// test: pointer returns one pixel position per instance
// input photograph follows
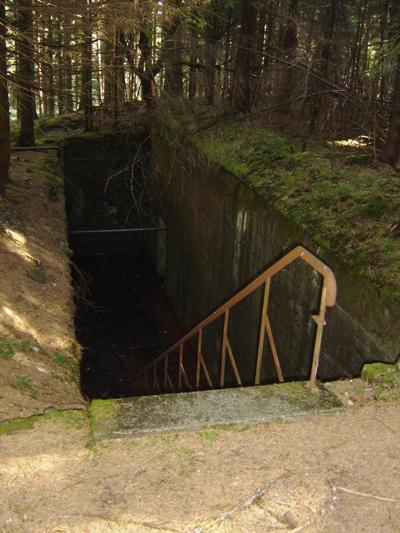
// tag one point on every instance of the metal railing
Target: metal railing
(169, 373)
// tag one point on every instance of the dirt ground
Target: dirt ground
(38, 352)
(328, 473)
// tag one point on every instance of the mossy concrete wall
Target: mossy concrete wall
(221, 234)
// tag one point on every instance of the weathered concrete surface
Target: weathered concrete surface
(176, 412)
(105, 181)
(221, 234)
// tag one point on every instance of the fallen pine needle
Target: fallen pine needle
(365, 495)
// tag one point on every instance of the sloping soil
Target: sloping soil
(39, 355)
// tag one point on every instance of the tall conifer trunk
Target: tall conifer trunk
(25, 73)
(242, 93)
(86, 68)
(391, 151)
(4, 105)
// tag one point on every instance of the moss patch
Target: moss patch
(72, 418)
(345, 202)
(383, 379)
(382, 373)
(38, 274)
(101, 414)
(7, 349)
(54, 178)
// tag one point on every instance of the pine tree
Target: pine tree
(4, 105)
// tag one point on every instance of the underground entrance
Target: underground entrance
(209, 257)
(123, 319)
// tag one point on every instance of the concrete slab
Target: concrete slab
(193, 410)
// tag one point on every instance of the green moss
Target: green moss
(54, 178)
(102, 408)
(101, 414)
(17, 424)
(71, 122)
(76, 419)
(38, 274)
(230, 427)
(209, 436)
(381, 373)
(60, 358)
(24, 383)
(7, 349)
(346, 206)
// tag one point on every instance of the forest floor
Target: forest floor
(328, 473)
(39, 356)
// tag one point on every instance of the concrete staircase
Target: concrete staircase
(196, 410)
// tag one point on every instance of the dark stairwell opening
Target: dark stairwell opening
(123, 319)
(122, 323)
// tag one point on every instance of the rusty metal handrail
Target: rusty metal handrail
(328, 299)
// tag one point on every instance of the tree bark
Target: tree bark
(109, 81)
(59, 30)
(86, 70)
(242, 93)
(391, 151)
(215, 28)
(289, 53)
(147, 70)
(173, 84)
(325, 63)
(25, 73)
(69, 102)
(4, 106)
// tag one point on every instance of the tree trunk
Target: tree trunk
(325, 63)
(69, 103)
(242, 93)
(173, 84)
(25, 73)
(49, 69)
(289, 54)
(215, 28)
(86, 72)
(4, 105)
(192, 89)
(391, 151)
(109, 81)
(59, 30)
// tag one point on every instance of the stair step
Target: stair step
(194, 410)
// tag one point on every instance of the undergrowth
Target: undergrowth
(347, 203)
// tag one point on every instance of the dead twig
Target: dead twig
(247, 502)
(365, 495)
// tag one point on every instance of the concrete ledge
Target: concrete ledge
(193, 410)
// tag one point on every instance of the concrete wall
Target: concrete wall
(220, 234)
(105, 175)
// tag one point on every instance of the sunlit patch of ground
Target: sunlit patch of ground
(38, 352)
(338, 472)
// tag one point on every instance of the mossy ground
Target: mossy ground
(347, 203)
(72, 418)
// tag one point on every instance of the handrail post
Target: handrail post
(224, 348)
(166, 372)
(320, 321)
(261, 339)
(199, 344)
(180, 364)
